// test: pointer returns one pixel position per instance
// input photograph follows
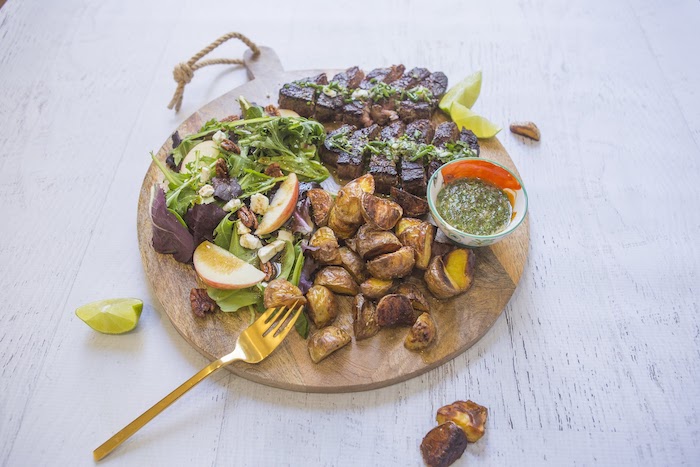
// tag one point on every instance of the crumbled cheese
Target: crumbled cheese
(250, 241)
(267, 252)
(206, 191)
(259, 203)
(285, 235)
(232, 205)
(360, 94)
(241, 228)
(218, 137)
(205, 175)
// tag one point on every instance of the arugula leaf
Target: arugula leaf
(287, 261)
(183, 148)
(223, 233)
(233, 300)
(249, 256)
(302, 325)
(298, 264)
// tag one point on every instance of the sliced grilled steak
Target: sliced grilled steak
(420, 131)
(413, 175)
(329, 151)
(384, 75)
(411, 78)
(446, 132)
(328, 107)
(383, 112)
(299, 98)
(350, 164)
(382, 167)
(470, 138)
(356, 113)
(436, 84)
(410, 111)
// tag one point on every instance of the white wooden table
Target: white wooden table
(596, 359)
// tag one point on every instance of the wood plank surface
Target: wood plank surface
(596, 359)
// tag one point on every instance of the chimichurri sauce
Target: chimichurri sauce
(474, 206)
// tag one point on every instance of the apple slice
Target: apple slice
(205, 149)
(281, 206)
(223, 270)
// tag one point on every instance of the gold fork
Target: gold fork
(252, 346)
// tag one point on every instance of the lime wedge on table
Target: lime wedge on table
(113, 316)
(466, 118)
(466, 92)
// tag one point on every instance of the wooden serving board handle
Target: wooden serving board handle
(265, 65)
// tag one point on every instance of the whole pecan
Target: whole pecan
(230, 118)
(201, 302)
(269, 269)
(230, 146)
(221, 169)
(247, 217)
(273, 170)
(272, 110)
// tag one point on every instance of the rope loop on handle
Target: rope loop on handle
(184, 72)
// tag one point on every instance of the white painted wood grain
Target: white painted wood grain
(596, 360)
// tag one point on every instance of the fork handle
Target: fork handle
(109, 445)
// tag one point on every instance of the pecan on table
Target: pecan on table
(230, 146)
(247, 217)
(201, 302)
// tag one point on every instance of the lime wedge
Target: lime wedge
(466, 118)
(113, 316)
(466, 92)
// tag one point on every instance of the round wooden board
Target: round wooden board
(369, 364)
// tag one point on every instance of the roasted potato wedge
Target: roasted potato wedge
(337, 279)
(364, 318)
(325, 341)
(348, 208)
(406, 222)
(327, 246)
(321, 204)
(353, 263)
(469, 416)
(395, 310)
(363, 184)
(322, 307)
(418, 300)
(376, 288)
(421, 334)
(420, 237)
(381, 213)
(443, 445)
(341, 228)
(281, 292)
(393, 265)
(451, 274)
(412, 205)
(370, 242)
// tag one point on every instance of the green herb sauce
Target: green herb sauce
(474, 206)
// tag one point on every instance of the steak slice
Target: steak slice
(436, 83)
(411, 78)
(413, 175)
(329, 107)
(470, 138)
(410, 111)
(381, 165)
(300, 98)
(356, 113)
(420, 131)
(350, 164)
(384, 75)
(446, 132)
(330, 150)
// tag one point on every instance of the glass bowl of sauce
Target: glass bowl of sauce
(476, 202)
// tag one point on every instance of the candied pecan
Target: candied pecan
(201, 302)
(273, 170)
(272, 110)
(269, 269)
(230, 118)
(221, 169)
(230, 146)
(247, 217)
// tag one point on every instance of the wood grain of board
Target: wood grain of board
(368, 364)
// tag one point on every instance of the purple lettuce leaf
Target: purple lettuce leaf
(307, 272)
(301, 218)
(202, 219)
(226, 188)
(169, 235)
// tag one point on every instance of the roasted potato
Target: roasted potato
(341, 228)
(406, 222)
(393, 265)
(381, 213)
(376, 288)
(327, 246)
(325, 341)
(410, 291)
(322, 306)
(321, 204)
(337, 279)
(281, 292)
(469, 416)
(441, 249)
(443, 445)
(363, 184)
(412, 205)
(370, 242)
(348, 208)
(364, 318)
(451, 274)
(421, 334)
(418, 236)
(394, 310)
(353, 263)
